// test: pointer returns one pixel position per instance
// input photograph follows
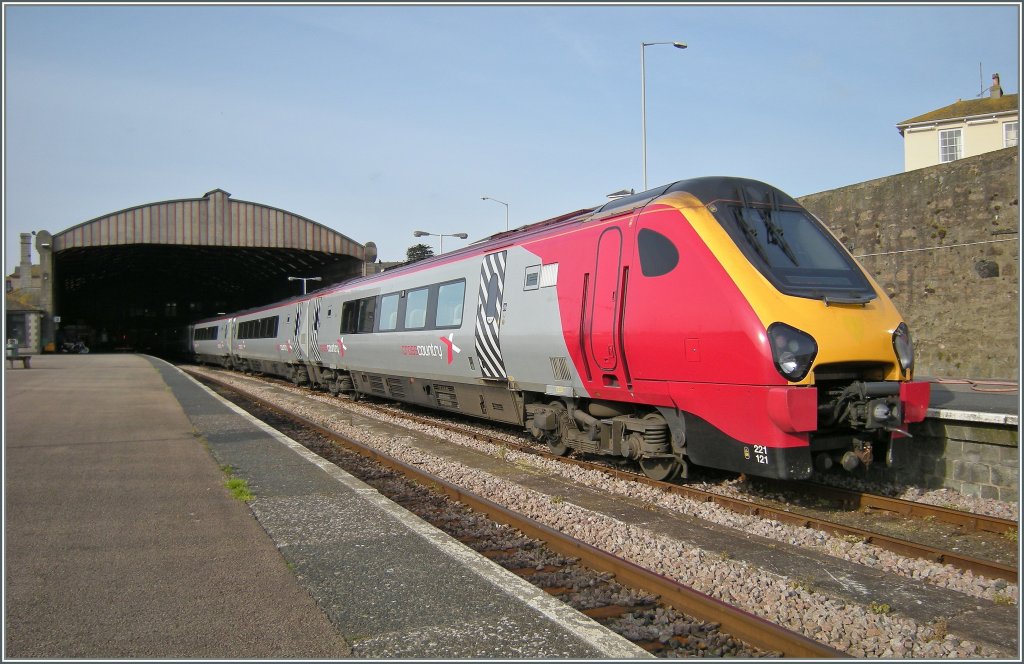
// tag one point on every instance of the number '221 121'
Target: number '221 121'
(761, 454)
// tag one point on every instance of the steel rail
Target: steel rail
(967, 521)
(987, 568)
(752, 629)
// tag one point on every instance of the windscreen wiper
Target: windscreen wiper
(749, 230)
(775, 232)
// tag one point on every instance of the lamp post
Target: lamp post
(643, 96)
(304, 280)
(441, 236)
(488, 198)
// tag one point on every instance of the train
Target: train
(711, 322)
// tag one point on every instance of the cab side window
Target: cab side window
(658, 255)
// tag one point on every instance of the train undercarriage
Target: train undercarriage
(857, 421)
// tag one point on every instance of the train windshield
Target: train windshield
(794, 251)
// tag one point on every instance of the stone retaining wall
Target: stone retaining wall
(943, 244)
(972, 458)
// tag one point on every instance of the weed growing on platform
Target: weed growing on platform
(239, 488)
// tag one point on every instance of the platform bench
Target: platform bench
(26, 361)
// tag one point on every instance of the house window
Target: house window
(17, 328)
(951, 145)
(1010, 130)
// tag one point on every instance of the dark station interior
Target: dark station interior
(142, 297)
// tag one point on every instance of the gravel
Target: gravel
(862, 631)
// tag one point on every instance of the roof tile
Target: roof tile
(964, 109)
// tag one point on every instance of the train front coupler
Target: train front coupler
(871, 406)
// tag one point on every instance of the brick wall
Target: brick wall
(942, 242)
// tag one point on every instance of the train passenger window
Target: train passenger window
(389, 312)
(416, 309)
(450, 298)
(658, 255)
(367, 314)
(205, 334)
(349, 317)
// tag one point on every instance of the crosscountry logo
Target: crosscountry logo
(434, 350)
(338, 348)
(451, 346)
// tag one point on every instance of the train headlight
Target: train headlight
(904, 347)
(793, 351)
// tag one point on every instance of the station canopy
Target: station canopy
(134, 279)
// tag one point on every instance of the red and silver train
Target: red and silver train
(712, 321)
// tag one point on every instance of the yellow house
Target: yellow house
(963, 129)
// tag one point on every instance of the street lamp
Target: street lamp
(442, 236)
(304, 280)
(488, 198)
(643, 96)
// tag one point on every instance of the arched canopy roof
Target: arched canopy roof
(215, 220)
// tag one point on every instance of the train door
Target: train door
(314, 317)
(488, 316)
(602, 324)
(300, 335)
(229, 342)
(312, 348)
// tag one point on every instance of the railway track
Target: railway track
(850, 499)
(749, 628)
(859, 500)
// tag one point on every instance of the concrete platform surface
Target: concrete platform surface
(122, 542)
(987, 401)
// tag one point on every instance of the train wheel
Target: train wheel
(660, 469)
(556, 440)
(558, 448)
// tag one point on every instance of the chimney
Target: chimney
(996, 90)
(26, 250)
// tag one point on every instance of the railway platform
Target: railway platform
(123, 542)
(981, 401)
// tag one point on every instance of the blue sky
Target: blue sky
(379, 120)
